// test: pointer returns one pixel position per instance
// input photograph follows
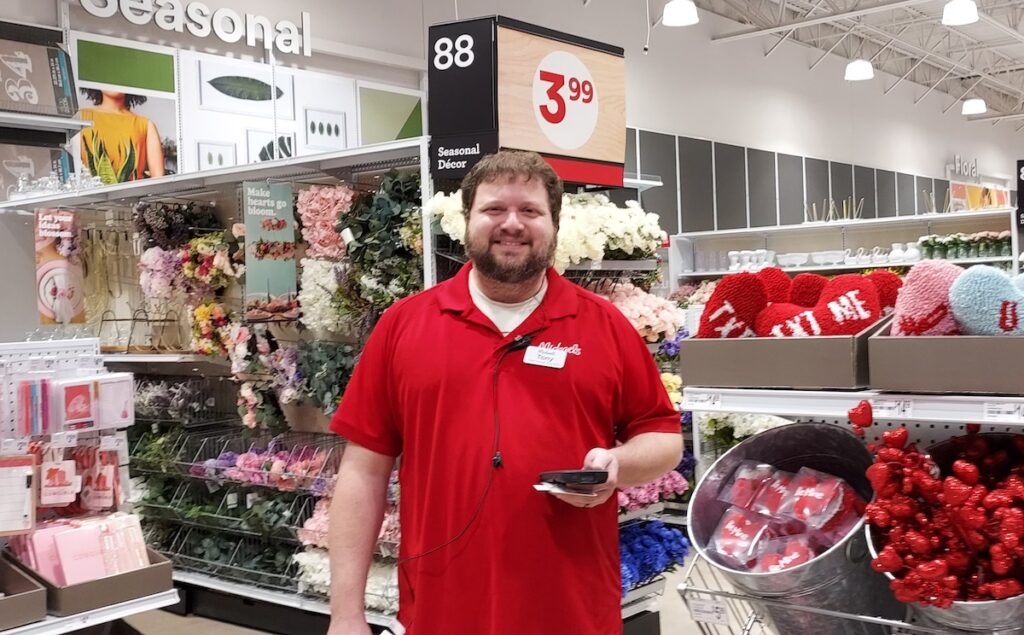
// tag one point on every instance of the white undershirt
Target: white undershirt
(507, 317)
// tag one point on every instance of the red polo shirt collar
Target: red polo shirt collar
(560, 300)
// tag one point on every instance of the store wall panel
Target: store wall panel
(864, 189)
(658, 158)
(923, 191)
(791, 189)
(731, 186)
(816, 172)
(906, 202)
(696, 185)
(630, 166)
(841, 175)
(886, 184)
(763, 193)
(941, 188)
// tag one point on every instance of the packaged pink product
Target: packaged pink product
(745, 483)
(736, 540)
(774, 495)
(820, 500)
(785, 552)
(841, 525)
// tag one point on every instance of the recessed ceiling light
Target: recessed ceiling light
(859, 71)
(959, 13)
(680, 13)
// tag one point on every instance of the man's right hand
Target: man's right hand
(350, 626)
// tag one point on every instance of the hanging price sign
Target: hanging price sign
(496, 82)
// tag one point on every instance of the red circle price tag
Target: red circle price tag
(565, 100)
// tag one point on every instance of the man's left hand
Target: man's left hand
(597, 459)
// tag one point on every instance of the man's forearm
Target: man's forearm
(648, 456)
(355, 518)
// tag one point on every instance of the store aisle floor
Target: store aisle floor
(675, 618)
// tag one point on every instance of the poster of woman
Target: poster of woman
(121, 145)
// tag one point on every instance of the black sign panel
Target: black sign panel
(452, 157)
(1020, 191)
(461, 72)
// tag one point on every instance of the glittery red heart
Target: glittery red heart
(733, 307)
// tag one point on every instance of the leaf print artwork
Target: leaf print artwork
(245, 88)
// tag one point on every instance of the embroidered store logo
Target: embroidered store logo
(200, 20)
(569, 350)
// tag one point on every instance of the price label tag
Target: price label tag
(251, 499)
(565, 100)
(892, 408)
(232, 500)
(709, 611)
(13, 447)
(108, 444)
(702, 401)
(1007, 412)
(59, 440)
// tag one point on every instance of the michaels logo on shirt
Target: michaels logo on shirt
(569, 350)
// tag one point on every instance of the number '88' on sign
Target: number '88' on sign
(565, 100)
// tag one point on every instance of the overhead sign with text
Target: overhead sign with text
(495, 82)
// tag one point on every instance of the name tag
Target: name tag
(551, 358)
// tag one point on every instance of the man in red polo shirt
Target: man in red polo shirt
(480, 384)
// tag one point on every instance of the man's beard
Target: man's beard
(487, 264)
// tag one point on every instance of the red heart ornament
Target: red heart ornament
(862, 415)
(776, 284)
(896, 438)
(955, 491)
(966, 471)
(806, 289)
(888, 286)
(733, 307)
(848, 304)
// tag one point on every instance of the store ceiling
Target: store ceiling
(905, 39)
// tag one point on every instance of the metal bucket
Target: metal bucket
(840, 579)
(996, 617)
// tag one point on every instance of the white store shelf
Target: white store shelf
(271, 597)
(1004, 213)
(813, 268)
(941, 408)
(650, 510)
(162, 358)
(57, 625)
(41, 122)
(294, 168)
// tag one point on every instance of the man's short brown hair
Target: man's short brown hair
(513, 164)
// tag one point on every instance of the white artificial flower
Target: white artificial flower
(317, 292)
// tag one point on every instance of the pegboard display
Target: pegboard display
(17, 357)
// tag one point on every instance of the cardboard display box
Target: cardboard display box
(957, 363)
(24, 600)
(88, 596)
(805, 363)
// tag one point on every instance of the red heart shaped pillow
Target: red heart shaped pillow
(806, 289)
(888, 286)
(848, 304)
(776, 283)
(733, 307)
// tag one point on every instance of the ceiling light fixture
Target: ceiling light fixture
(680, 13)
(974, 106)
(960, 13)
(859, 71)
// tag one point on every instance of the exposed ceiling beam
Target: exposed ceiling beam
(1012, 115)
(1000, 26)
(832, 17)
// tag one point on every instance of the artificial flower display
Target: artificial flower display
(319, 208)
(160, 274)
(206, 261)
(259, 407)
(653, 317)
(211, 328)
(647, 550)
(319, 296)
(674, 387)
(591, 227)
(669, 486)
(169, 226)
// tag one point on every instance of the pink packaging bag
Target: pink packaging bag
(786, 552)
(81, 554)
(774, 495)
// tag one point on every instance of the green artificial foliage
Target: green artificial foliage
(326, 368)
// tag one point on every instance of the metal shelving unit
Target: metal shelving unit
(643, 598)
(646, 512)
(72, 623)
(47, 123)
(964, 262)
